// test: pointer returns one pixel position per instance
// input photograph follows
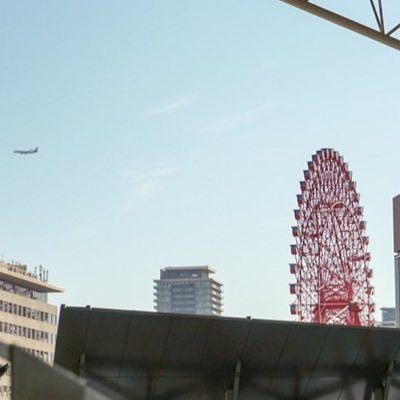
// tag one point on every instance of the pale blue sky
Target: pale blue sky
(176, 133)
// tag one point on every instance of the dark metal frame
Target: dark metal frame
(381, 34)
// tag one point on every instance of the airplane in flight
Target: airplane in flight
(31, 151)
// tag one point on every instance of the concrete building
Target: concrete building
(188, 290)
(388, 317)
(26, 319)
(396, 250)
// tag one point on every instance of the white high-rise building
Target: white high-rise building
(388, 319)
(188, 290)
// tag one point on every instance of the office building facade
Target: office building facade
(388, 319)
(26, 318)
(188, 290)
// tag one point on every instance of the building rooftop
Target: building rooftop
(205, 268)
(17, 274)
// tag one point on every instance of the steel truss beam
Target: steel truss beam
(380, 35)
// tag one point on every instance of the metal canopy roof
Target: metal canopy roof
(142, 355)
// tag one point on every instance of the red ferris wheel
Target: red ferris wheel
(332, 263)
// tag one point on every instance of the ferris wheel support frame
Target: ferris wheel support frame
(380, 35)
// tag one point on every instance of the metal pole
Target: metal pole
(235, 395)
(345, 22)
(388, 380)
(378, 393)
(397, 287)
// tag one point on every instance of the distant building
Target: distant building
(188, 290)
(26, 319)
(388, 317)
(396, 250)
